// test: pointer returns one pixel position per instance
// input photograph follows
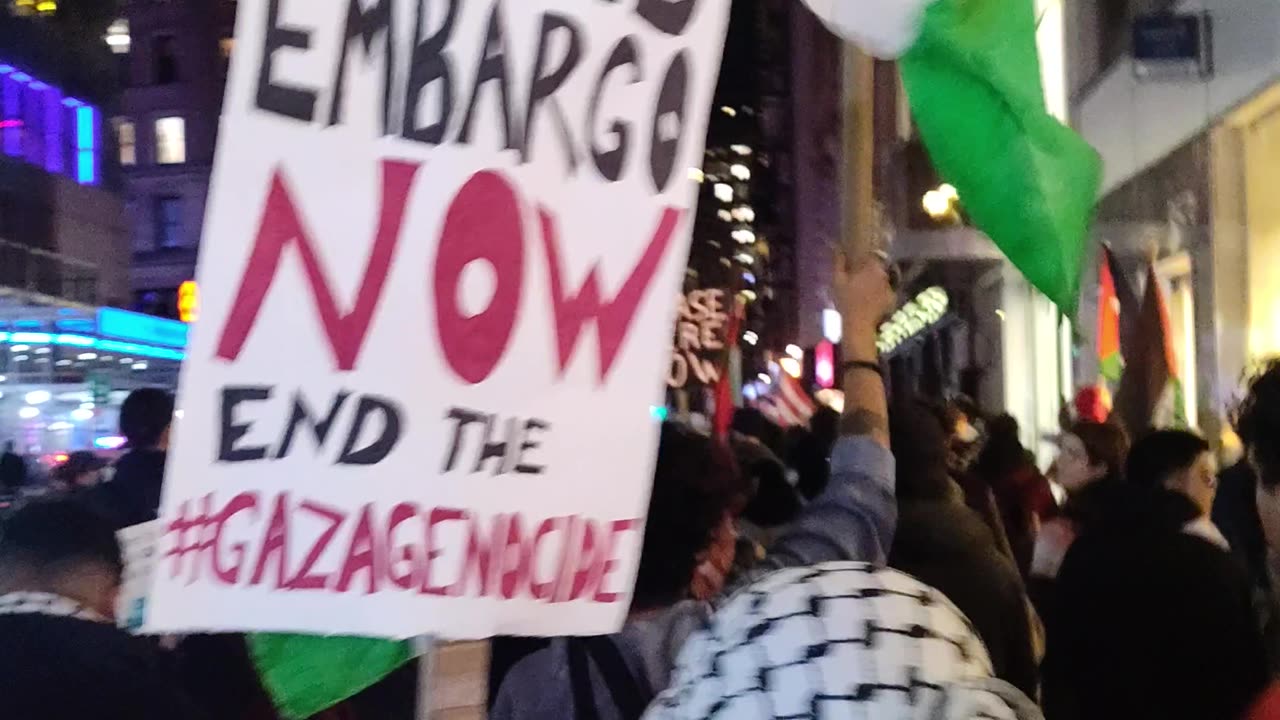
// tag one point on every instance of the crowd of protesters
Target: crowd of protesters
(902, 560)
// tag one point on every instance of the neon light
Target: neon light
(31, 338)
(72, 103)
(125, 325)
(37, 85)
(143, 350)
(6, 69)
(110, 442)
(21, 77)
(74, 341)
(86, 141)
(80, 341)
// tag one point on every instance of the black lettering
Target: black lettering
(545, 84)
(531, 443)
(290, 101)
(231, 432)
(668, 16)
(610, 162)
(492, 67)
(302, 414)
(495, 448)
(366, 25)
(380, 448)
(463, 418)
(429, 63)
(668, 121)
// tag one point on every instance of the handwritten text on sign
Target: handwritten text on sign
(396, 420)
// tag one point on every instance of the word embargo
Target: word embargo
(448, 552)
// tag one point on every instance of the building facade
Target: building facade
(1189, 161)
(173, 59)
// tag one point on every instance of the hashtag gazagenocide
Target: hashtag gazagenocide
(252, 540)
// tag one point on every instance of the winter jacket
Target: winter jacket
(854, 519)
(1151, 621)
(133, 494)
(66, 666)
(946, 545)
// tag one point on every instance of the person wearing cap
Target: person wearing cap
(133, 495)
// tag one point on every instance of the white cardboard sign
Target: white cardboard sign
(438, 278)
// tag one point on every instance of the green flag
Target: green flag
(973, 80)
(306, 674)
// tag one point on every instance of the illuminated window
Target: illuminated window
(127, 141)
(171, 140)
(168, 220)
(118, 37)
(46, 7)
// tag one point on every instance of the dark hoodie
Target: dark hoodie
(133, 494)
(1151, 621)
(944, 543)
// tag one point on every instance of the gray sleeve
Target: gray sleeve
(854, 519)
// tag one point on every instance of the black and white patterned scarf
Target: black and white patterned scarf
(35, 603)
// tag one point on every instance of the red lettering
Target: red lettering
(479, 554)
(305, 579)
(438, 516)
(407, 553)
(275, 544)
(516, 570)
(238, 504)
(543, 590)
(483, 223)
(564, 579)
(610, 564)
(281, 226)
(588, 562)
(613, 318)
(362, 555)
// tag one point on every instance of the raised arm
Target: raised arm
(854, 519)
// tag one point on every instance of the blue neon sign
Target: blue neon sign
(138, 328)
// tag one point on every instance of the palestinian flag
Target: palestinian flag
(1110, 363)
(1150, 394)
(972, 75)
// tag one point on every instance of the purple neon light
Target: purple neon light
(40, 125)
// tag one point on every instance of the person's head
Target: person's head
(82, 469)
(1091, 452)
(145, 417)
(838, 640)
(1175, 460)
(920, 448)
(63, 548)
(696, 488)
(1003, 451)
(1258, 424)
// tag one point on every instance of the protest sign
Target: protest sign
(437, 286)
(138, 551)
(699, 340)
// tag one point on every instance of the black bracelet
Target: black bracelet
(862, 365)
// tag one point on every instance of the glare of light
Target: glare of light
(744, 213)
(81, 415)
(749, 391)
(791, 366)
(87, 356)
(750, 337)
(833, 399)
(744, 236)
(21, 358)
(658, 412)
(832, 325)
(749, 295)
(1000, 314)
(724, 192)
(749, 277)
(47, 7)
(39, 397)
(42, 351)
(740, 149)
(795, 352)
(696, 175)
(29, 413)
(110, 442)
(745, 258)
(824, 364)
(765, 379)
(60, 426)
(740, 171)
(87, 406)
(19, 348)
(728, 111)
(140, 366)
(936, 204)
(725, 215)
(3, 378)
(949, 192)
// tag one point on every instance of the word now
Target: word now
(430, 551)
(482, 222)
